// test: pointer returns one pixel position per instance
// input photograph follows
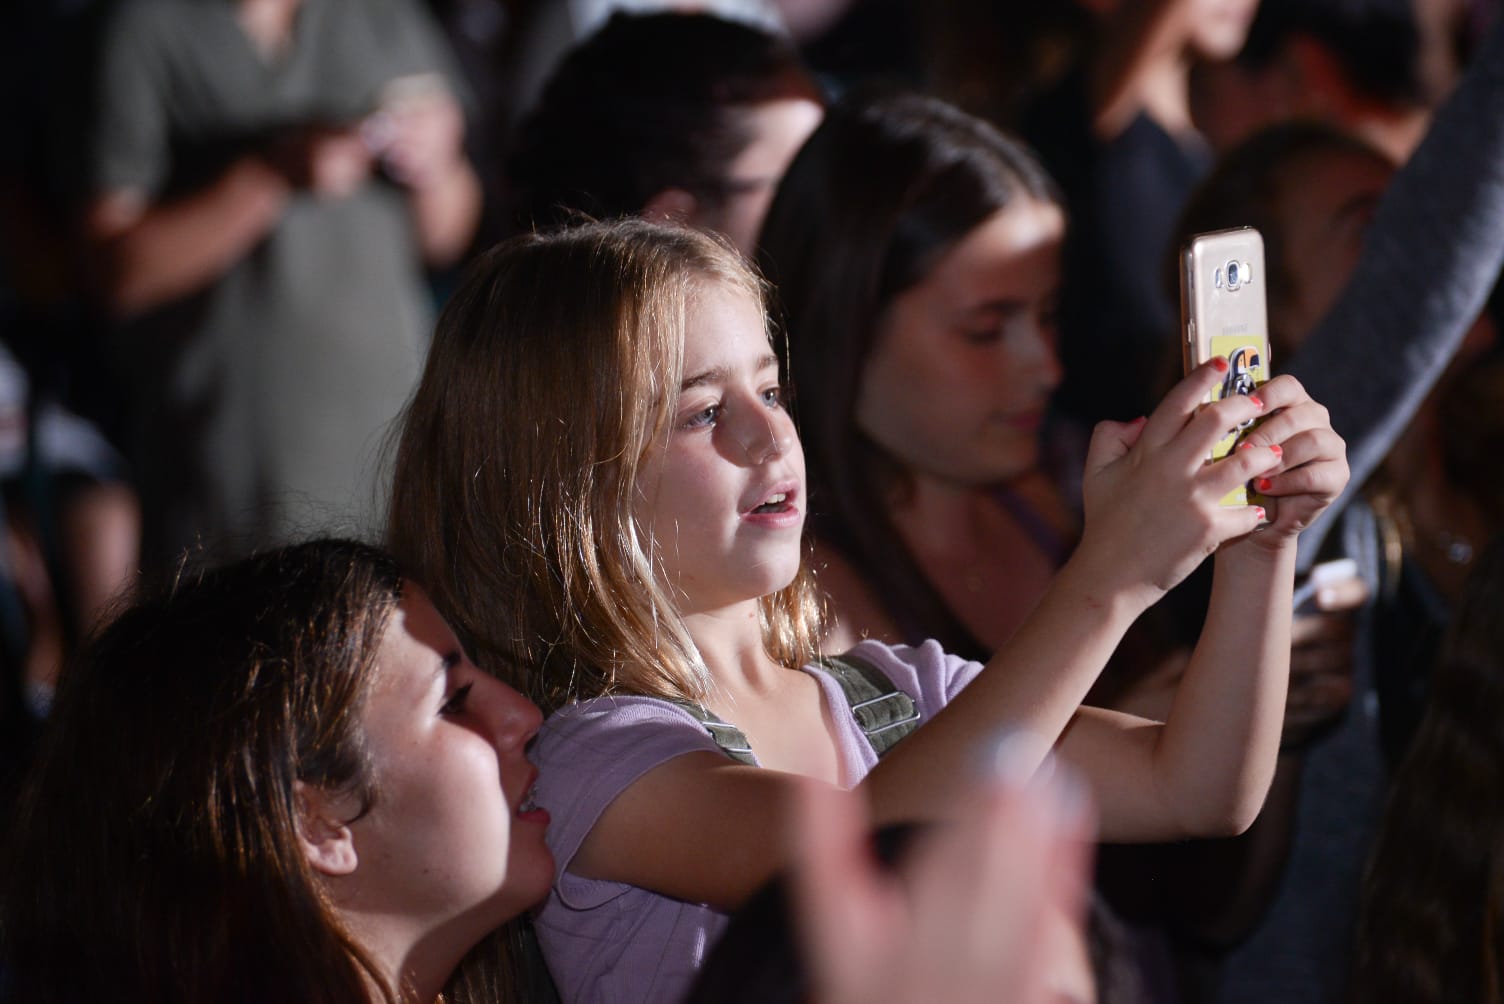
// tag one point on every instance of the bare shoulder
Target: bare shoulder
(853, 611)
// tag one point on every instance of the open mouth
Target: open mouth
(529, 800)
(777, 502)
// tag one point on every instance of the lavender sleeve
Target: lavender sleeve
(589, 753)
(1430, 259)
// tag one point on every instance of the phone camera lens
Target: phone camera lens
(1233, 274)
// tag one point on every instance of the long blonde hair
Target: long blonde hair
(553, 372)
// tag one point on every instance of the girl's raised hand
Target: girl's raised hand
(1152, 502)
(1311, 470)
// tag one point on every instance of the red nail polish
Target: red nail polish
(1258, 402)
(1263, 484)
(1140, 420)
(1219, 364)
(1278, 450)
(1245, 445)
(1260, 510)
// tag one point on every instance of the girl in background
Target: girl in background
(915, 253)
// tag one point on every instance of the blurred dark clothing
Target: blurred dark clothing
(1118, 324)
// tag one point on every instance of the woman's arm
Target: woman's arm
(148, 253)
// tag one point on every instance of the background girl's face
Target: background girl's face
(723, 498)
(963, 363)
(777, 129)
(449, 833)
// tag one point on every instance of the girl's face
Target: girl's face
(723, 499)
(963, 364)
(778, 129)
(450, 835)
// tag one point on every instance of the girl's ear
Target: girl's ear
(672, 205)
(327, 841)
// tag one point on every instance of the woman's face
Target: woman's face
(723, 498)
(963, 363)
(451, 838)
(778, 129)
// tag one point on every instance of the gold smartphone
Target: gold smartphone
(1223, 313)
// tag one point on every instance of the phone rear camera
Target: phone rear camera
(1234, 275)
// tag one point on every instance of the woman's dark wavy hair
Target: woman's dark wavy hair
(1431, 928)
(885, 186)
(156, 855)
(648, 102)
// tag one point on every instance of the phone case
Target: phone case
(1224, 314)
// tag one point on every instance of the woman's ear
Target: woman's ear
(326, 838)
(672, 205)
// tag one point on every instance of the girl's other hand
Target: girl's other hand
(986, 909)
(1311, 470)
(1152, 502)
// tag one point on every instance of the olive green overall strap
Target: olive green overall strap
(885, 714)
(727, 736)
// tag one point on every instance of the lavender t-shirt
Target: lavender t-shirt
(606, 941)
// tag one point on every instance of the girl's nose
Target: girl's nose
(515, 718)
(765, 436)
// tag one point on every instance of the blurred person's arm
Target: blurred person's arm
(424, 151)
(1430, 258)
(149, 252)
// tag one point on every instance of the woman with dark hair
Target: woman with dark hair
(915, 252)
(280, 780)
(671, 116)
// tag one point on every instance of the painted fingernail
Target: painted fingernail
(1259, 511)
(1219, 364)
(1278, 450)
(1258, 402)
(1263, 484)
(1245, 445)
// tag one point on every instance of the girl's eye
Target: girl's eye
(773, 397)
(704, 417)
(456, 703)
(983, 336)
